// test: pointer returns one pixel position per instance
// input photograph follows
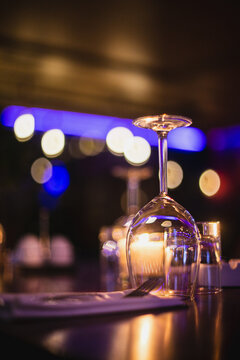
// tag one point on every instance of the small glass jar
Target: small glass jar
(209, 276)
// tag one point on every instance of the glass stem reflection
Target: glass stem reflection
(44, 233)
(163, 155)
(132, 195)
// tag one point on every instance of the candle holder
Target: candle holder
(163, 239)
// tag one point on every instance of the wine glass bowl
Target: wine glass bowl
(163, 242)
(163, 239)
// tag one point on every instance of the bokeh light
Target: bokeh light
(53, 142)
(117, 139)
(109, 248)
(59, 181)
(137, 151)
(78, 124)
(217, 139)
(187, 138)
(174, 174)
(90, 147)
(73, 148)
(220, 139)
(24, 127)
(41, 170)
(209, 182)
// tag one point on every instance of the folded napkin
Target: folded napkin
(56, 305)
(230, 273)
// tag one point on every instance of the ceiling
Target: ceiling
(122, 58)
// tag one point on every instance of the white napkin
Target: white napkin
(55, 305)
(230, 273)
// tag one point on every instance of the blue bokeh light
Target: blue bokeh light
(59, 181)
(80, 124)
(46, 200)
(189, 138)
(220, 139)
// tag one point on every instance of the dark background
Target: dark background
(126, 59)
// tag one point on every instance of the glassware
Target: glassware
(163, 239)
(114, 271)
(209, 276)
(44, 236)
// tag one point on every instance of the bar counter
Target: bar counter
(207, 328)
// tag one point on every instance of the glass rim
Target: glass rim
(211, 228)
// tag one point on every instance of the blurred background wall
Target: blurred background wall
(123, 59)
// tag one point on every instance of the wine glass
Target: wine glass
(133, 177)
(113, 239)
(163, 240)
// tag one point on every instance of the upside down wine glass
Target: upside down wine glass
(113, 238)
(133, 176)
(163, 240)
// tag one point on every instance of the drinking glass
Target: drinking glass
(209, 276)
(163, 240)
(114, 271)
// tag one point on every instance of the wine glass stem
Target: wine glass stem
(44, 232)
(132, 196)
(162, 155)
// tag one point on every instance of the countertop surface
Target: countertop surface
(207, 328)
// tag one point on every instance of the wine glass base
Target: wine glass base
(208, 290)
(163, 122)
(174, 293)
